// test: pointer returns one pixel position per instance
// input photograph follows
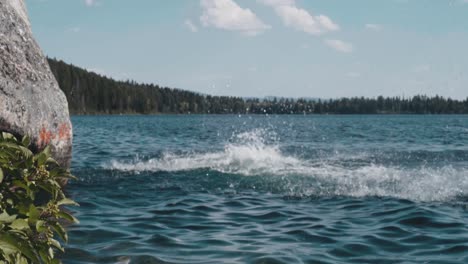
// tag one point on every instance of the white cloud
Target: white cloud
(228, 15)
(339, 45)
(191, 26)
(421, 68)
(374, 27)
(252, 69)
(90, 2)
(327, 23)
(299, 18)
(275, 3)
(353, 75)
(455, 3)
(74, 29)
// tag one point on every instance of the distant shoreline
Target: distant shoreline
(89, 93)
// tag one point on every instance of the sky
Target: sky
(257, 48)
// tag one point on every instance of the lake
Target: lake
(270, 189)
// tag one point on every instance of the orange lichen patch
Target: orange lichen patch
(45, 137)
(64, 132)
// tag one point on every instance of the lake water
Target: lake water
(270, 189)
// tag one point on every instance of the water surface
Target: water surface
(270, 189)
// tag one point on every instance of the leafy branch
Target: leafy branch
(32, 216)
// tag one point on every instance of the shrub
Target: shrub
(31, 203)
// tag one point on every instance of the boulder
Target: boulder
(31, 102)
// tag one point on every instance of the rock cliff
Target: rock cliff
(31, 102)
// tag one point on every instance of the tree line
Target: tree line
(91, 93)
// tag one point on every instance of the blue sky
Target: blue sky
(292, 48)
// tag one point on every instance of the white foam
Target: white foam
(249, 155)
(421, 184)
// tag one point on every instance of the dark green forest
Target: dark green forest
(91, 93)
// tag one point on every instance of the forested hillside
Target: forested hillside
(91, 93)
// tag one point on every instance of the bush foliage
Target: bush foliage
(31, 203)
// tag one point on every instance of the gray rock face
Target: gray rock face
(31, 102)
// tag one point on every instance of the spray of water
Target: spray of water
(249, 154)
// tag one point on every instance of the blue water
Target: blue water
(270, 189)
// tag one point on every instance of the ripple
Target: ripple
(265, 227)
(305, 236)
(209, 190)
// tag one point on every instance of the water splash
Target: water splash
(246, 154)
(257, 153)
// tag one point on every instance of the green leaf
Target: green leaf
(26, 141)
(22, 260)
(26, 152)
(47, 152)
(29, 162)
(61, 173)
(60, 231)
(21, 245)
(19, 224)
(33, 214)
(54, 172)
(8, 146)
(15, 147)
(41, 159)
(6, 218)
(51, 161)
(7, 248)
(8, 136)
(57, 245)
(19, 233)
(40, 226)
(67, 176)
(67, 201)
(54, 184)
(69, 217)
(1, 175)
(23, 208)
(44, 256)
(55, 261)
(51, 253)
(45, 187)
(20, 184)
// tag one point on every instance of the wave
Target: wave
(250, 154)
